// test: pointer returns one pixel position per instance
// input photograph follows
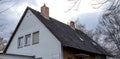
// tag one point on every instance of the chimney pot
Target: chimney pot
(72, 25)
(45, 11)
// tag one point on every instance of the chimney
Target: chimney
(72, 25)
(45, 11)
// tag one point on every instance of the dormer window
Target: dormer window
(81, 39)
(20, 42)
(27, 39)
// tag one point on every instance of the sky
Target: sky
(12, 10)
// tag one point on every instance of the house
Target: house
(39, 36)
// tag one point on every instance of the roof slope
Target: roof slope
(69, 37)
(66, 35)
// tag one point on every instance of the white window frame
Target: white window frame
(20, 42)
(27, 40)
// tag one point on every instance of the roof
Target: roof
(65, 34)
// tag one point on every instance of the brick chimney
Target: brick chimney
(72, 25)
(45, 11)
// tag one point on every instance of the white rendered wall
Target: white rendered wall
(48, 46)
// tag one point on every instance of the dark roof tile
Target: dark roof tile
(70, 37)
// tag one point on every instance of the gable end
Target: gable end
(16, 30)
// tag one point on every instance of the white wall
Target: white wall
(48, 46)
(14, 57)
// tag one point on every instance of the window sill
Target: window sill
(35, 43)
(27, 45)
(20, 47)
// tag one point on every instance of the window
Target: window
(27, 39)
(20, 42)
(81, 39)
(70, 57)
(35, 37)
(80, 57)
(39, 58)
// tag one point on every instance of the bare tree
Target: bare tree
(109, 25)
(94, 3)
(2, 44)
(2, 41)
(73, 4)
(91, 33)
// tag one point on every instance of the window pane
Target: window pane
(20, 42)
(27, 39)
(35, 37)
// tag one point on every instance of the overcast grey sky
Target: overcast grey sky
(12, 10)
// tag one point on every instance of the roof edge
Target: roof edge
(16, 28)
